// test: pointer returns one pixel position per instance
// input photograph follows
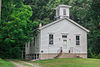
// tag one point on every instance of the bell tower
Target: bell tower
(62, 11)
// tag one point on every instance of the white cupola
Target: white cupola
(62, 11)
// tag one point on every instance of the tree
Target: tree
(94, 36)
(17, 29)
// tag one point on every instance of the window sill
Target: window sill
(51, 45)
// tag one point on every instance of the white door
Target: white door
(64, 44)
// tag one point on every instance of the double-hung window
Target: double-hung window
(77, 40)
(51, 39)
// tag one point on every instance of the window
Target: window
(77, 40)
(65, 42)
(64, 36)
(51, 39)
(64, 11)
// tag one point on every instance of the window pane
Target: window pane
(77, 37)
(50, 38)
(64, 36)
(65, 42)
(77, 40)
(64, 11)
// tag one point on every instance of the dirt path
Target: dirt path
(32, 64)
(18, 64)
(24, 64)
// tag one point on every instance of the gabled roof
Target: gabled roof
(45, 26)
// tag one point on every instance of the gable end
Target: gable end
(83, 28)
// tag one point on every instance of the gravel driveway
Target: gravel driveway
(24, 64)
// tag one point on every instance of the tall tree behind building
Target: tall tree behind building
(94, 26)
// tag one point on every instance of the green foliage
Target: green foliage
(16, 30)
(19, 27)
(5, 50)
(35, 24)
(16, 52)
(94, 36)
(44, 21)
(96, 56)
(78, 12)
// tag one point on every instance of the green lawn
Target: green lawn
(5, 63)
(69, 62)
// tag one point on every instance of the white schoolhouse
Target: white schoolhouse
(63, 38)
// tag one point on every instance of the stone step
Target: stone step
(67, 55)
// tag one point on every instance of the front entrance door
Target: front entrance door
(64, 44)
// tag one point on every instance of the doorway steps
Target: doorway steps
(67, 55)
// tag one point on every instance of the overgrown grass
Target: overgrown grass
(5, 63)
(69, 62)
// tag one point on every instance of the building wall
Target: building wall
(27, 48)
(32, 47)
(37, 50)
(57, 29)
(64, 55)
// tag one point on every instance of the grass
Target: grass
(69, 62)
(5, 63)
(62, 62)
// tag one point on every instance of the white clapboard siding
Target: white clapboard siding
(57, 29)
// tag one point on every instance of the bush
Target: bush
(96, 56)
(5, 51)
(16, 52)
